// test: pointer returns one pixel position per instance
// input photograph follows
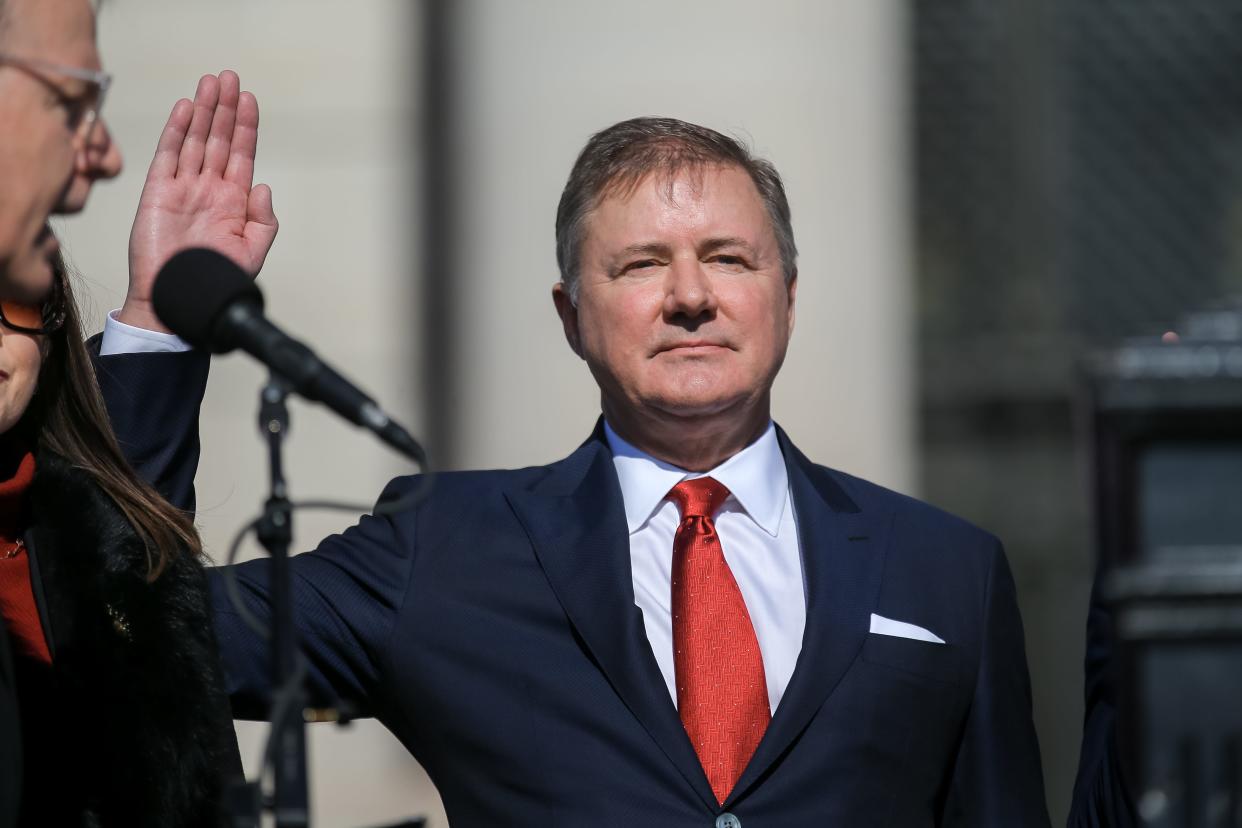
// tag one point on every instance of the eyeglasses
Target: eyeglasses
(83, 108)
(39, 320)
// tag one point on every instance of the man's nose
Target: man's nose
(689, 291)
(100, 157)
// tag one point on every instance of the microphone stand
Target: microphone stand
(290, 796)
(286, 750)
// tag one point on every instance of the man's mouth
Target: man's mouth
(693, 346)
(51, 250)
(47, 241)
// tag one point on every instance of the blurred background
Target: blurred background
(982, 190)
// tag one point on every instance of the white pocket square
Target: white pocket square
(900, 629)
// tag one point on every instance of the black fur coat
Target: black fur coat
(130, 725)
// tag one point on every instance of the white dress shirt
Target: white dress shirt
(119, 338)
(757, 532)
(755, 524)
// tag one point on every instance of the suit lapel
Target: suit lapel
(843, 560)
(575, 519)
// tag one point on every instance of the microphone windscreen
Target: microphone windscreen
(194, 289)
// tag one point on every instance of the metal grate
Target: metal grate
(1079, 175)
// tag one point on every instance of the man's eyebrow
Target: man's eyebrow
(654, 248)
(715, 244)
(644, 249)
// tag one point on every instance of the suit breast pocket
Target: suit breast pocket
(921, 662)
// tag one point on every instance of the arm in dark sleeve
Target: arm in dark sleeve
(997, 778)
(346, 595)
(153, 401)
(1101, 796)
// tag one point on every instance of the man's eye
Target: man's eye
(641, 264)
(729, 261)
(74, 108)
(75, 112)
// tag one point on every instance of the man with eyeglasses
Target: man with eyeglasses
(53, 147)
(53, 143)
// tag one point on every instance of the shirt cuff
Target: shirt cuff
(119, 338)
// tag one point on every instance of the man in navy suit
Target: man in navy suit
(685, 622)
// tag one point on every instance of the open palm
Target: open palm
(199, 192)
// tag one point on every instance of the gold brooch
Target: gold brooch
(119, 622)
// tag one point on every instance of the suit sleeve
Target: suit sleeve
(346, 596)
(997, 778)
(1101, 795)
(153, 400)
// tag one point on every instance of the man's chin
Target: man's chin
(697, 391)
(74, 199)
(27, 281)
(690, 406)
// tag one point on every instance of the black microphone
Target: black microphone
(208, 301)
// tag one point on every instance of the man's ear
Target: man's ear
(792, 288)
(568, 312)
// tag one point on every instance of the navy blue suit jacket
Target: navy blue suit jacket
(493, 629)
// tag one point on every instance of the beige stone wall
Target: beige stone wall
(817, 87)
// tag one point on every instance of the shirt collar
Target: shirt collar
(756, 478)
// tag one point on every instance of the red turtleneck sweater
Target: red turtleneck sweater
(17, 604)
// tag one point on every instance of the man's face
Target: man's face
(683, 308)
(46, 166)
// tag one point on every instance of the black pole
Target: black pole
(285, 752)
(290, 797)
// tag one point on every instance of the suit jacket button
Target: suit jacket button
(728, 820)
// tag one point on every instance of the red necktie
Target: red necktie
(722, 694)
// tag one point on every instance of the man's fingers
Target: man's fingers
(259, 209)
(195, 144)
(168, 150)
(261, 225)
(245, 142)
(260, 204)
(221, 136)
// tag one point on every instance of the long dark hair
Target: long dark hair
(67, 416)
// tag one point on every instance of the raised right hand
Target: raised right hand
(199, 193)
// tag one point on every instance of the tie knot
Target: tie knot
(700, 497)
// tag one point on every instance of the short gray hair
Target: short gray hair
(618, 158)
(4, 13)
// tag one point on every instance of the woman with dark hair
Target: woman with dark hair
(124, 721)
